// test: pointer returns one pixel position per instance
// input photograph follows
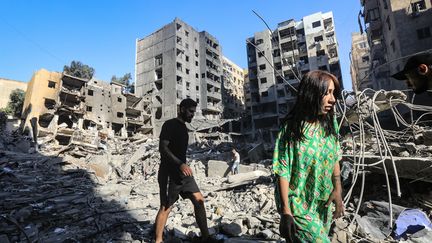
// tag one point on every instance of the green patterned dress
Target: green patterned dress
(309, 168)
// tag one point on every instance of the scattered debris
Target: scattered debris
(99, 187)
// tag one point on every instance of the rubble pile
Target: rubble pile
(104, 189)
(54, 199)
(401, 144)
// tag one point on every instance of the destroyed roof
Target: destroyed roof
(72, 78)
(132, 100)
(117, 83)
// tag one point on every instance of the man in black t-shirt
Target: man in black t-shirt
(175, 176)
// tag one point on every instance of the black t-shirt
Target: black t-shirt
(176, 133)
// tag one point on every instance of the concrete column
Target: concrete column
(80, 123)
(124, 131)
(53, 124)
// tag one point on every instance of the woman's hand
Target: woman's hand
(287, 228)
(336, 197)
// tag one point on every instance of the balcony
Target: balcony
(214, 95)
(301, 39)
(268, 99)
(213, 83)
(265, 115)
(213, 55)
(213, 107)
(290, 53)
(374, 34)
(377, 49)
(375, 24)
(330, 42)
(288, 38)
(329, 28)
(70, 107)
(288, 67)
(71, 91)
(135, 120)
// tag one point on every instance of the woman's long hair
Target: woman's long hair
(312, 89)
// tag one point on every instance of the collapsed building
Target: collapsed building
(85, 194)
(108, 191)
(60, 104)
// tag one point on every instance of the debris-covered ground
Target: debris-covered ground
(84, 193)
(105, 190)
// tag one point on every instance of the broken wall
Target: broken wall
(118, 108)
(41, 95)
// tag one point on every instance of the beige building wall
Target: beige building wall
(6, 88)
(42, 90)
(360, 62)
(234, 95)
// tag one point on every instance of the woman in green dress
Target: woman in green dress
(306, 162)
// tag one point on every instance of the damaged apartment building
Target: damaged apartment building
(232, 89)
(61, 105)
(178, 62)
(293, 49)
(360, 60)
(233, 97)
(395, 30)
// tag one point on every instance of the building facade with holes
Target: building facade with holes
(277, 60)
(178, 62)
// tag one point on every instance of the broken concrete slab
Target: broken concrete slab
(223, 169)
(407, 167)
(246, 177)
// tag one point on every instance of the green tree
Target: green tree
(131, 88)
(125, 80)
(79, 70)
(122, 80)
(16, 102)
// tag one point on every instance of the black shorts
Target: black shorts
(170, 189)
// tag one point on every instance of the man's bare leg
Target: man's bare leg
(161, 219)
(200, 213)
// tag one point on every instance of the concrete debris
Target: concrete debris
(223, 169)
(82, 191)
(102, 188)
(384, 101)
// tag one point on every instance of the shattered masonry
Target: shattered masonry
(62, 103)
